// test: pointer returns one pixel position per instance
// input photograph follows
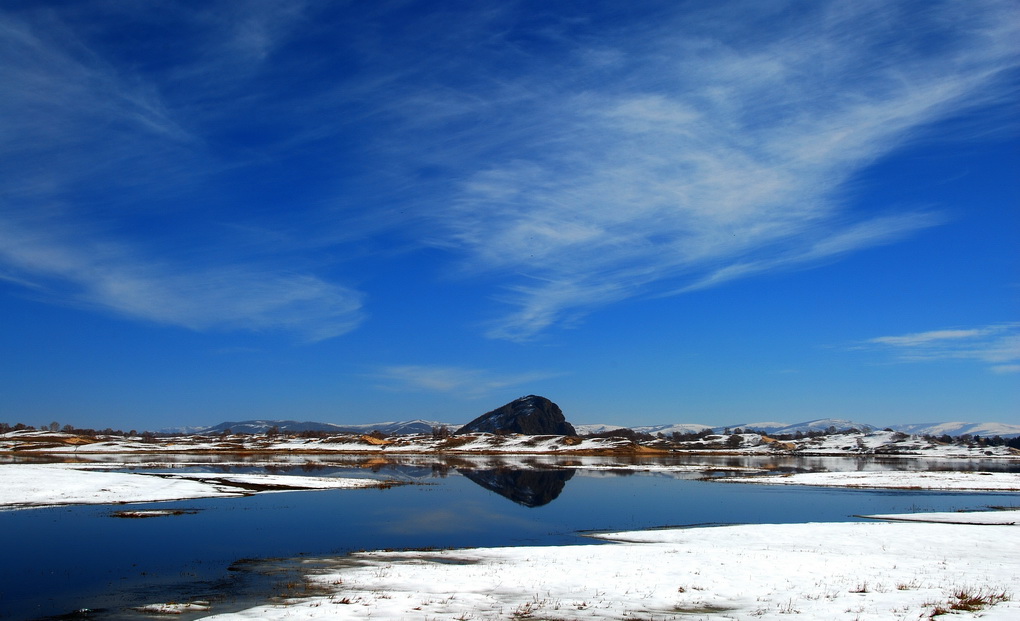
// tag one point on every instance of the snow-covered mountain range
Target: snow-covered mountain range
(821, 424)
(958, 429)
(1003, 430)
(293, 426)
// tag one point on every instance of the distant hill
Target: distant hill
(958, 429)
(933, 429)
(670, 429)
(989, 430)
(821, 424)
(293, 426)
(769, 427)
(586, 430)
(261, 426)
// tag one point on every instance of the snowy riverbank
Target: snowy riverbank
(944, 480)
(24, 485)
(62, 484)
(851, 571)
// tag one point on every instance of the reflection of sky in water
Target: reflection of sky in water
(65, 558)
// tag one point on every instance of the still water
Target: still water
(236, 552)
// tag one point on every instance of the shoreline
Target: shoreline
(656, 573)
(839, 570)
(876, 444)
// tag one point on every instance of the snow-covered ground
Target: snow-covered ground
(280, 481)
(59, 443)
(957, 481)
(1006, 517)
(656, 467)
(878, 443)
(62, 484)
(851, 571)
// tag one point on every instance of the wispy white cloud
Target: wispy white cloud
(99, 207)
(609, 160)
(996, 345)
(93, 272)
(878, 231)
(934, 337)
(702, 153)
(77, 118)
(460, 381)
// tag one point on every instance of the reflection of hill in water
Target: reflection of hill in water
(531, 488)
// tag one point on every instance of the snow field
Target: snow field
(852, 571)
(954, 481)
(62, 484)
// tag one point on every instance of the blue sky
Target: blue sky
(649, 212)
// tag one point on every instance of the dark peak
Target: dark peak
(530, 415)
(530, 401)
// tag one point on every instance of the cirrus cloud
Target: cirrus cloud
(997, 345)
(703, 150)
(569, 160)
(460, 381)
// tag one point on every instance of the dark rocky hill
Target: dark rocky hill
(531, 415)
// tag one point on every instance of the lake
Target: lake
(236, 552)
